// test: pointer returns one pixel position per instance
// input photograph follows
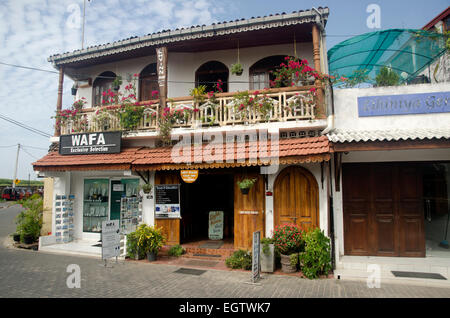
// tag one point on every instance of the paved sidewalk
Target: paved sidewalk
(26, 273)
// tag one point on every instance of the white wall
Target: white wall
(346, 109)
(182, 67)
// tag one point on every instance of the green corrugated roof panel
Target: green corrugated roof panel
(406, 51)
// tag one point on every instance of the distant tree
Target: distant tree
(387, 77)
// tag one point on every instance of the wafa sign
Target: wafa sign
(90, 143)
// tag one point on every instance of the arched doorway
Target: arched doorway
(148, 83)
(210, 73)
(296, 198)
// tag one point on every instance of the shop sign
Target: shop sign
(256, 262)
(388, 105)
(167, 200)
(248, 212)
(110, 239)
(215, 230)
(189, 176)
(90, 143)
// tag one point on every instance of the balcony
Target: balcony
(224, 109)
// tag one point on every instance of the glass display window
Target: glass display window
(96, 203)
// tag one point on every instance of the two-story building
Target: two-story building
(220, 139)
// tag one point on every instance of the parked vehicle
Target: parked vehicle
(10, 193)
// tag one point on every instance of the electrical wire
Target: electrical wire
(29, 153)
(34, 147)
(15, 122)
(8, 146)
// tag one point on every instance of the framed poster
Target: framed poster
(167, 200)
(215, 229)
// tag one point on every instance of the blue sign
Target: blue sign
(389, 105)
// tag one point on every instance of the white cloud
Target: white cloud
(33, 30)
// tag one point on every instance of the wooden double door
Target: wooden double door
(383, 209)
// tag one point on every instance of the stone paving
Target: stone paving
(26, 273)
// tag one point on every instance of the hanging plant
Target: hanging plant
(237, 69)
(117, 82)
(146, 188)
(246, 184)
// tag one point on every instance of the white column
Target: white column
(148, 203)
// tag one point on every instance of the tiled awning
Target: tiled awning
(238, 154)
(341, 136)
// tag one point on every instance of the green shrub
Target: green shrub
(240, 259)
(29, 221)
(316, 259)
(176, 250)
(132, 246)
(265, 244)
(387, 77)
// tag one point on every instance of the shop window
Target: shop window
(101, 84)
(148, 83)
(209, 75)
(95, 207)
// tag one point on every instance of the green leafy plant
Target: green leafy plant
(29, 221)
(237, 69)
(146, 187)
(266, 241)
(133, 249)
(130, 116)
(150, 238)
(240, 259)
(176, 250)
(198, 93)
(387, 77)
(316, 258)
(288, 239)
(117, 82)
(246, 183)
(294, 259)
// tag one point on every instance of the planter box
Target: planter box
(151, 257)
(268, 260)
(286, 266)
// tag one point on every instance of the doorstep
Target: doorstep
(356, 268)
(77, 247)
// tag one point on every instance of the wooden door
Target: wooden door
(171, 227)
(296, 198)
(248, 211)
(383, 210)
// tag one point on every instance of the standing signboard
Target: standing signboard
(110, 239)
(256, 263)
(167, 200)
(215, 229)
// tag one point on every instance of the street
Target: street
(26, 273)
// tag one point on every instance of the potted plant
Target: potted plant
(267, 255)
(146, 188)
(237, 69)
(149, 240)
(117, 82)
(246, 184)
(316, 258)
(288, 240)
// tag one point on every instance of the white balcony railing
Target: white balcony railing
(285, 104)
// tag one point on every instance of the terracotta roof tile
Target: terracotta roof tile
(205, 153)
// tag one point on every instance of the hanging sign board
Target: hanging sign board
(189, 176)
(110, 239)
(215, 230)
(256, 262)
(167, 200)
(90, 143)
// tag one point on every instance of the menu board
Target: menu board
(110, 239)
(215, 230)
(167, 200)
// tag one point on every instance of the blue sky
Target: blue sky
(32, 30)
